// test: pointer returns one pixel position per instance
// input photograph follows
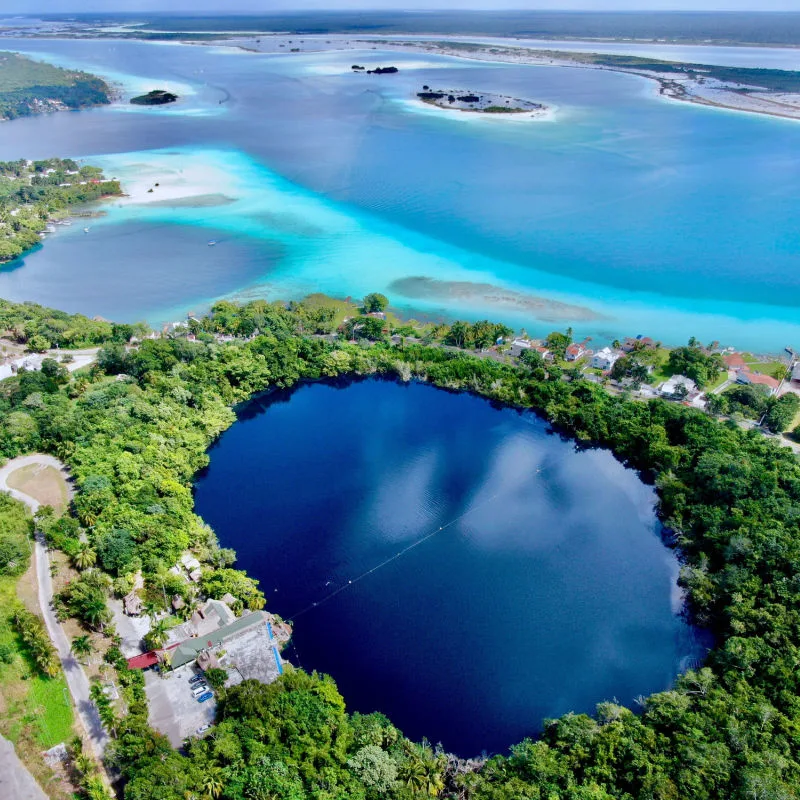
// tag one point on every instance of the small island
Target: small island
(157, 97)
(460, 100)
(376, 71)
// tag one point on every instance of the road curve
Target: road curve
(73, 672)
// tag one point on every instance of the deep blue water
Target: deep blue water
(548, 590)
(654, 217)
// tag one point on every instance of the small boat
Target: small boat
(212, 242)
(65, 222)
(86, 230)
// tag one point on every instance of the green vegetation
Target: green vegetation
(37, 640)
(157, 97)
(33, 192)
(32, 87)
(728, 497)
(502, 110)
(695, 363)
(15, 536)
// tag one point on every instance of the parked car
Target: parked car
(195, 678)
(203, 728)
(199, 689)
(204, 697)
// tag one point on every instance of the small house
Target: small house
(575, 351)
(670, 387)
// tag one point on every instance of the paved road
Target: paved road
(76, 678)
(16, 783)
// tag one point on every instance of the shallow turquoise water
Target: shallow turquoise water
(648, 216)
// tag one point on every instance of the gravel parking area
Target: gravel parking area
(173, 710)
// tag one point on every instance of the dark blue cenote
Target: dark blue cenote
(548, 589)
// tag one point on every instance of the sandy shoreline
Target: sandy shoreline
(706, 91)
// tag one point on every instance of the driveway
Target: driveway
(73, 672)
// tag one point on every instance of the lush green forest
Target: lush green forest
(31, 87)
(31, 192)
(135, 429)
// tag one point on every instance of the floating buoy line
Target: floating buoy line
(385, 563)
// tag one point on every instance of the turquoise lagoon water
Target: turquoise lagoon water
(623, 214)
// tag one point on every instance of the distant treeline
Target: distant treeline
(745, 27)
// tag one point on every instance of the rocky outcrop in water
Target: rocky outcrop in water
(158, 97)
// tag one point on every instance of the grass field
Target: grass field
(44, 484)
(35, 712)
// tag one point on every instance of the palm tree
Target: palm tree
(85, 557)
(212, 784)
(157, 635)
(95, 612)
(82, 646)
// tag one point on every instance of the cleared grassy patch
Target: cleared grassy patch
(42, 483)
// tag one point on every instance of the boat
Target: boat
(86, 230)
(212, 242)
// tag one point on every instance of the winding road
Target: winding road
(73, 672)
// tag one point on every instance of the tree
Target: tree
(531, 358)
(38, 344)
(374, 767)
(85, 557)
(55, 371)
(156, 637)
(782, 412)
(216, 677)
(375, 302)
(557, 344)
(82, 646)
(213, 784)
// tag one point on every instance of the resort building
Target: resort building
(605, 359)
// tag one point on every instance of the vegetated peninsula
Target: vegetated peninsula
(32, 87)
(775, 92)
(34, 195)
(460, 100)
(156, 97)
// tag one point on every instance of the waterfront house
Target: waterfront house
(637, 343)
(604, 359)
(747, 378)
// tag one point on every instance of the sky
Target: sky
(267, 6)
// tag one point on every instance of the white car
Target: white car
(201, 688)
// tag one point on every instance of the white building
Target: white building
(604, 359)
(668, 388)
